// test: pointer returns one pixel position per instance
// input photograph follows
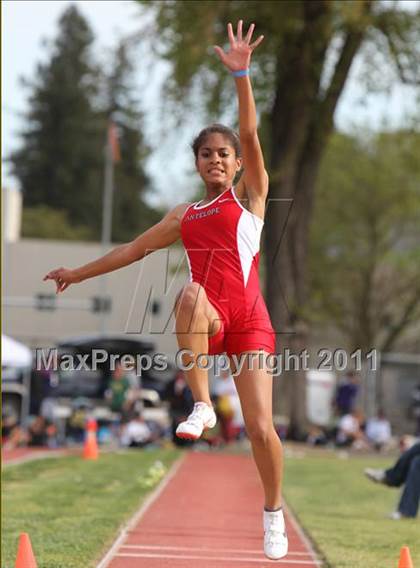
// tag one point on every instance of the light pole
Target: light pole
(112, 155)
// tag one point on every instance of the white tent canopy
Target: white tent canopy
(14, 354)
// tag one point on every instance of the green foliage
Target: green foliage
(184, 33)
(43, 222)
(365, 251)
(188, 30)
(60, 164)
(298, 75)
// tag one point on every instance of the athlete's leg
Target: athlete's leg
(196, 320)
(255, 387)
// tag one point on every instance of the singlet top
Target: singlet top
(222, 243)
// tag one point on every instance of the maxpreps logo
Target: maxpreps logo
(212, 211)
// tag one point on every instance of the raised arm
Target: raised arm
(254, 181)
(161, 235)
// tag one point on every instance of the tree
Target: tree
(300, 72)
(58, 163)
(43, 222)
(365, 251)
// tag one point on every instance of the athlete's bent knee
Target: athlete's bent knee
(191, 298)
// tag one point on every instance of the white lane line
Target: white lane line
(216, 558)
(302, 535)
(137, 516)
(153, 547)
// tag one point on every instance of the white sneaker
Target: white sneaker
(396, 516)
(275, 537)
(201, 418)
(376, 475)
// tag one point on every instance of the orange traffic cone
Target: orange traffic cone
(405, 558)
(90, 449)
(25, 557)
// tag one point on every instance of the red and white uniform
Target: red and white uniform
(222, 242)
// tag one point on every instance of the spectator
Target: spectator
(42, 433)
(41, 387)
(346, 394)
(9, 421)
(39, 433)
(179, 396)
(415, 407)
(406, 471)
(316, 436)
(136, 433)
(81, 409)
(378, 430)
(228, 407)
(119, 393)
(350, 431)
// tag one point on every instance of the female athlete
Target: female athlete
(221, 309)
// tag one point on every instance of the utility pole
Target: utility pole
(111, 153)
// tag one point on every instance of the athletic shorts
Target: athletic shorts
(236, 337)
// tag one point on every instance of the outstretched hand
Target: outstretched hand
(239, 55)
(62, 277)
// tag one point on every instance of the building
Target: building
(11, 214)
(140, 296)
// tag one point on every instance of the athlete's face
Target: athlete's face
(217, 162)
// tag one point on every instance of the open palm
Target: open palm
(239, 54)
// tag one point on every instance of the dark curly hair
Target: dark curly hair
(219, 129)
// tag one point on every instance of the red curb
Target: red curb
(209, 514)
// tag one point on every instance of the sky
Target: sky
(25, 26)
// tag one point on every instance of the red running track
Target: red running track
(206, 514)
(20, 455)
(10, 456)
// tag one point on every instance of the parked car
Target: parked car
(90, 384)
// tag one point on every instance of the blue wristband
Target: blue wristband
(241, 73)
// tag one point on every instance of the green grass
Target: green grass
(72, 508)
(345, 513)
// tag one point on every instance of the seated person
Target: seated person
(9, 421)
(350, 431)
(405, 472)
(378, 430)
(136, 433)
(40, 433)
(179, 396)
(316, 436)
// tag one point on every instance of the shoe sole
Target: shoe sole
(371, 478)
(276, 557)
(187, 436)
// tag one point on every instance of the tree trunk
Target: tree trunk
(301, 122)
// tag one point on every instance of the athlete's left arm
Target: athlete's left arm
(253, 183)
